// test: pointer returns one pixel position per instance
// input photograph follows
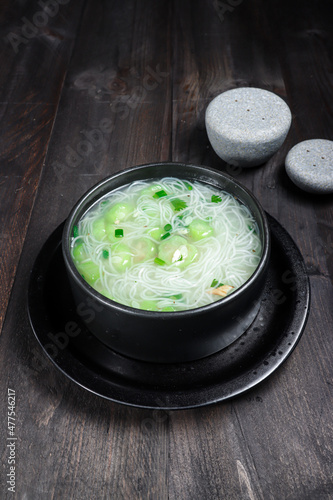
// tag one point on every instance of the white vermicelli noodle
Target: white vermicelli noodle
(121, 257)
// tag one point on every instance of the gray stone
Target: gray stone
(309, 165)
(246, 126)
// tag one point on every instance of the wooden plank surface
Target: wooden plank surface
(105, 86)
(35, 51)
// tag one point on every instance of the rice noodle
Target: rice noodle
(229, 255)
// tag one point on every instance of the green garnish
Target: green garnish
(178, 296)
(216, 199)
(158, 261)
(167, 227)
(166, 235)
(160, 194)
(75, 231)
(215, 283)
(119, 233)
(189, 187)
(105, 254)
(178, 204)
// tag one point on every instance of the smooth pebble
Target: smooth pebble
(246, 126)
(309, 165)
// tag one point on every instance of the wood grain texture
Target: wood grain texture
(128, 84)
(34, 62)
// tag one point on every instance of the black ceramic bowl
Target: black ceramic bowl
(168, 337)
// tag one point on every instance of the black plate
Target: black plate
(249, 360)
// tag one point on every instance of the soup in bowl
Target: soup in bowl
(172, 259)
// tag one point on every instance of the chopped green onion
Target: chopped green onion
(75, 231)
(158, 261)
(250, 228)
(216, 199)
(119, 233)
(215, 283)
(167, 227)
(189, 187)
(178, 296)
(160, 194)
(105, 254)
(166, 235)
(178, 204)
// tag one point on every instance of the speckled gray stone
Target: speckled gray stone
(309, 165)
(246, 126)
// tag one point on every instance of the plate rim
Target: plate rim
(65, 354)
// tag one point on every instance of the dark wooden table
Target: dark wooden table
(89, 88)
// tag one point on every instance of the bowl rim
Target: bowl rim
(136, 312)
